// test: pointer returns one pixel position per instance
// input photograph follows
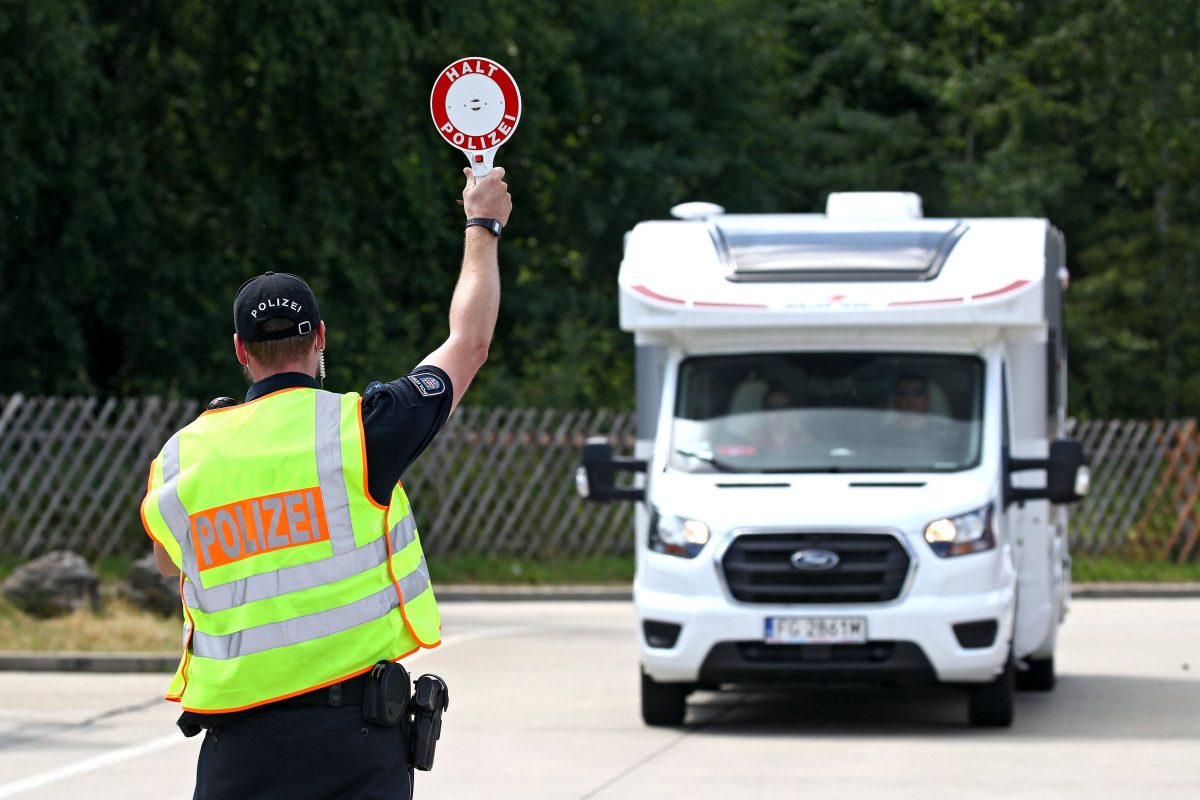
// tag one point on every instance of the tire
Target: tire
(663, 704)
(990, 705)
(1039, 677)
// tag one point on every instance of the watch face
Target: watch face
(496, 227)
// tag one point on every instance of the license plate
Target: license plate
(816, 630)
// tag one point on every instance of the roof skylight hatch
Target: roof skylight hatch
(778, 247)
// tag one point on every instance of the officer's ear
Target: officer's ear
(239, 350)
(320, 341)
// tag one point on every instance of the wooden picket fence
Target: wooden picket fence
(1169, 528)
(1145, 498)
(72, 471)
(500, 481)
(494, 482)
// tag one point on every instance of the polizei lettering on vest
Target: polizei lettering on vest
(278, 302)
(239, 530)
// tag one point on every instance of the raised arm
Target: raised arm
(476, 300)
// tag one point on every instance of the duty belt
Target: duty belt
(347, 692)
(344, 693)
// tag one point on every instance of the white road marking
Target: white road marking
(89, 764)
(161, 742)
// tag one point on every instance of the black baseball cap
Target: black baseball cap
(274, 295)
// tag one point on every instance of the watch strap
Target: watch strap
(491, 225)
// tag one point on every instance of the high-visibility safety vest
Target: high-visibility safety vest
(293, 577)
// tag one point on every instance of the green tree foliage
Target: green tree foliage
(1135, 330)
(158, 154)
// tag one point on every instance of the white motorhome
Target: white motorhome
(850, 426)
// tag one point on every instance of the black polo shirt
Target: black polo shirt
(400, 419)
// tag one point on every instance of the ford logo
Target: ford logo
(815, 560)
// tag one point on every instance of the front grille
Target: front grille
(871, 568)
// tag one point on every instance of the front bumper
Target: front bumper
(874, 662)
(909, 640)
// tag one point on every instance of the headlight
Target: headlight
(677, 536)
(966, 533)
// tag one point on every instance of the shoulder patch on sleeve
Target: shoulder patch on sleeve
(427, 384)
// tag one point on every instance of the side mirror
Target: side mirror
(595, 479)
(1068, 478)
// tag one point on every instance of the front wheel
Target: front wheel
(663, 704)
(1038, 677)
(990, 705)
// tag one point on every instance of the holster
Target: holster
(385, 698)
(188, 726)
(429, 700)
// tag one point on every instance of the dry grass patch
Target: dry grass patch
(119, 628)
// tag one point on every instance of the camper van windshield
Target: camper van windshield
(828, 412)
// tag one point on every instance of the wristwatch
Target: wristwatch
(492, 226)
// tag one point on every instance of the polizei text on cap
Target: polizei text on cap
(278, 302)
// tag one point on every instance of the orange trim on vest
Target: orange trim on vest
(400, 595)
(388, 539)
(255, 400)
(142, 506)
(362, 441)
(187, 646)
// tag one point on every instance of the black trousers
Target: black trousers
(298, 752)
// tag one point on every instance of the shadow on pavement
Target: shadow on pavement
(1081, 707)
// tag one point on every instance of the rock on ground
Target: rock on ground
(53, 585)
(146, 588)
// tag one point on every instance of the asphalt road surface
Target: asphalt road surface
(544, 704)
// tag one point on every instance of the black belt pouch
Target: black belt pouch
(385, 698)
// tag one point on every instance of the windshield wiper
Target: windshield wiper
(709, 459)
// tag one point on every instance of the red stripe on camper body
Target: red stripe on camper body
(1002, 290)
(656, 296)
(925, 302)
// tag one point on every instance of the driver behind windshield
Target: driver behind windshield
(911, 398)
(924, 432)
(779, 432)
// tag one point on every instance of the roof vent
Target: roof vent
(809, 247)
(873, 205)
(697, 210)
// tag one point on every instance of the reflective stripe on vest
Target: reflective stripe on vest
(294, 631)
(288, 585)
(302, 576)
(329, 472)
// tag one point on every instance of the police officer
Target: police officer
(301, 564)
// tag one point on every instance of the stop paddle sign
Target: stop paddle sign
(476, 106)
